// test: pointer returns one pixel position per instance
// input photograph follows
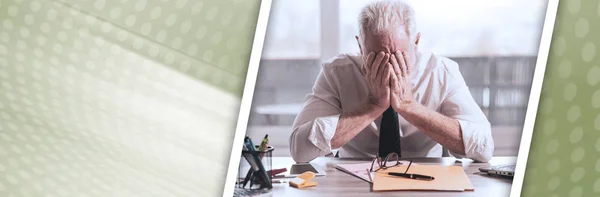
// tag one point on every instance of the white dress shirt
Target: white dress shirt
(340, 87)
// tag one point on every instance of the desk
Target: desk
(338, 183)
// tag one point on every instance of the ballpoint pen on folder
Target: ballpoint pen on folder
(412, 176)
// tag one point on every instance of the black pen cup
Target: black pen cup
(251, 177)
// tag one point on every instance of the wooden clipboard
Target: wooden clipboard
(447, 178)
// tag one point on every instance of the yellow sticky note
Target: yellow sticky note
(304, 180)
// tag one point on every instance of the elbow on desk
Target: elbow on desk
(294, 151)
(300, 157)
(478, 141)
(488, 146)
(300, 147)
(483, 149)
(485, 155)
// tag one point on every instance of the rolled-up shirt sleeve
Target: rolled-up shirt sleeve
(475, 128)
(316, 123)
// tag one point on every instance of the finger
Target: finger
(382, 67)
(395, 64)
(367, 63)
(371, 70)
(401, 63)
(394, 82)
(370, 59)
(376, 64)
(388, 70)
(363, 71)
(406, 70)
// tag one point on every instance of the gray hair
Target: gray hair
(385, 16)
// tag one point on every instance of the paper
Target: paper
(447, 178)
(360, 170)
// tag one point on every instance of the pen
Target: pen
(262, 173)
(412, 176)
(248, 176)
(253, 165)
(253, 168)
(263, 145)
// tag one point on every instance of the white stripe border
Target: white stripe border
(248, 94)
(534, 97)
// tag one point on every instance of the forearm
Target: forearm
(442, 129)
(314, 138)
(351, 123)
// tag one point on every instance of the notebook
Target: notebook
(447, 178)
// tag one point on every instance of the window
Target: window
(294, 30)
(463, 28)
(494, 42)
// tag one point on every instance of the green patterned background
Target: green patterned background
(120, 97)
(565, 146)
(139, 97)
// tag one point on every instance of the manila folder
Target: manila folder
(447, 178)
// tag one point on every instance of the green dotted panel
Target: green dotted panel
(120, 97)
(564, 152)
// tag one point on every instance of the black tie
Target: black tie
(389, 133)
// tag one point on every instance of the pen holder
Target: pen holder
(254, 182)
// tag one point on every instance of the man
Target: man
(390, 98)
